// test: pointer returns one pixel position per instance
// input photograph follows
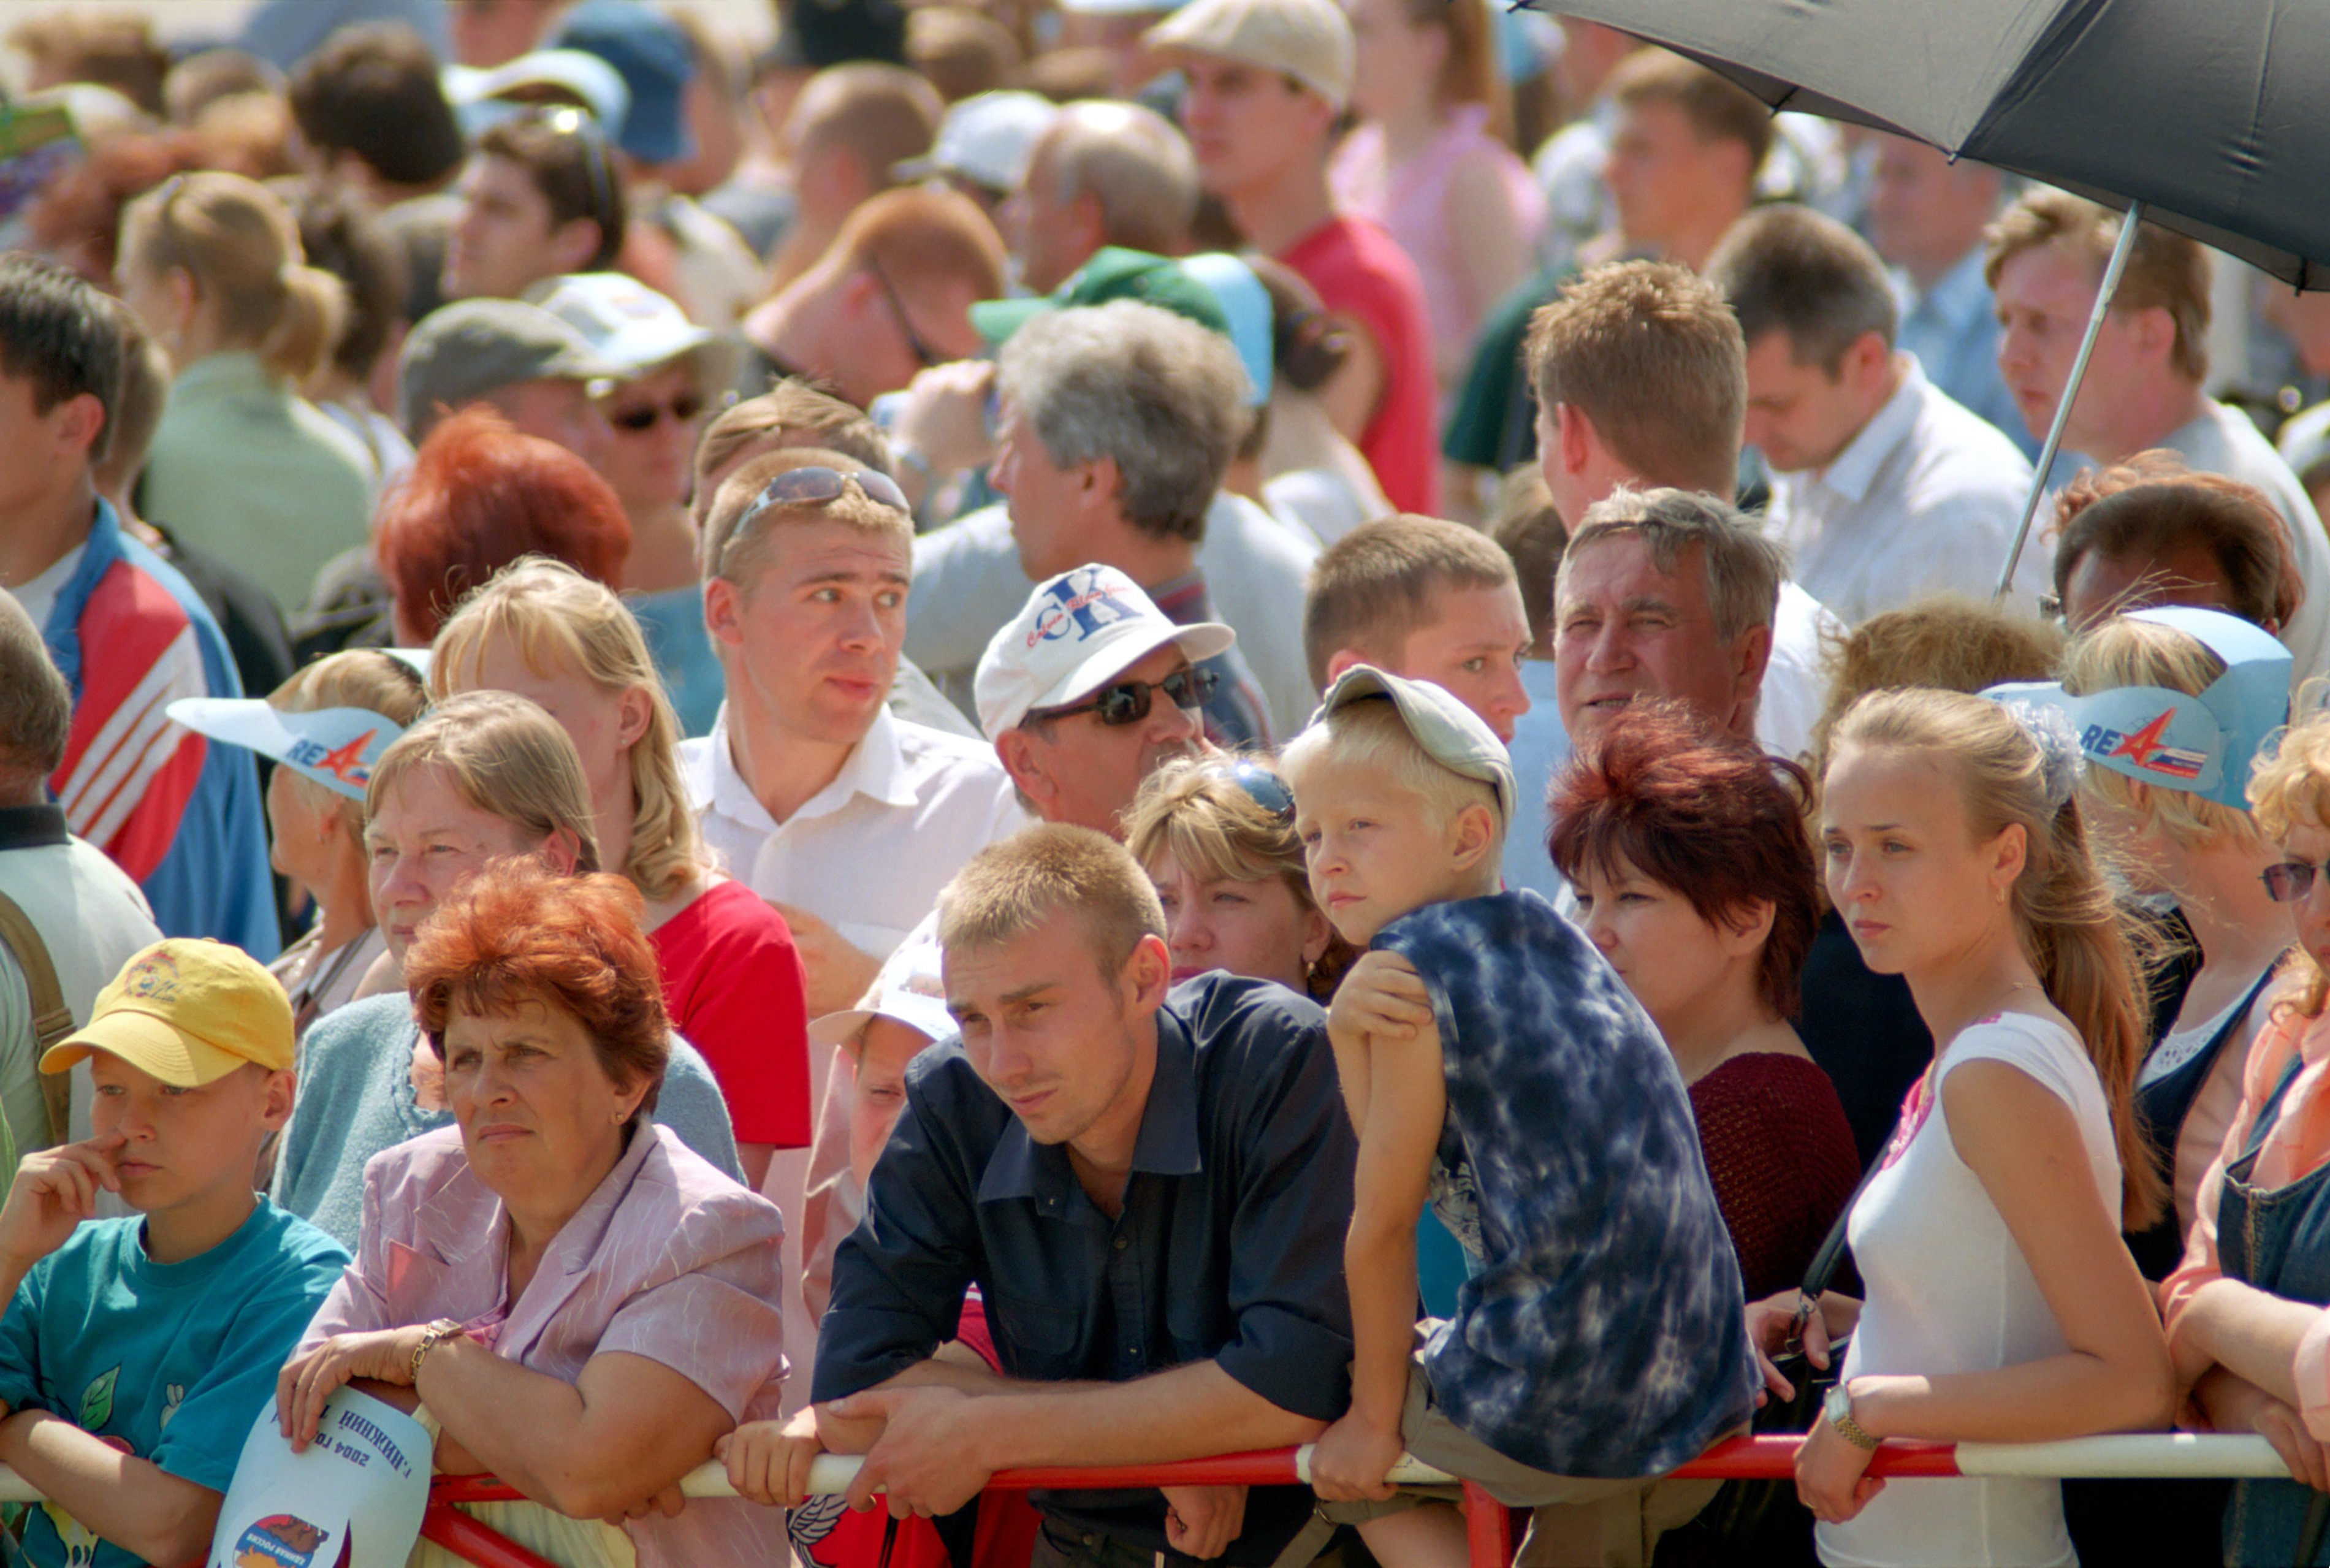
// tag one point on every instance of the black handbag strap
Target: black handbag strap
(1823, 1267)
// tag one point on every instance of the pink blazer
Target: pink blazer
(669, 1259)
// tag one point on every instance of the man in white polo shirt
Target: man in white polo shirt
(846, 818)
(1884, 488)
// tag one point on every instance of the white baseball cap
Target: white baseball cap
(1451, 733)
(1074, 634)
(626, 323)
(908, 989)
(1308, 40)
(482, 96)
(986, 139)
(335, 747)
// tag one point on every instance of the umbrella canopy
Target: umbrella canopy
(2210, 112)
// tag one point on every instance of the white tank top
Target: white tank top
(1948, 1291)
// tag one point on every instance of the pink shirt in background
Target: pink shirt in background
(667, 1259)
(1410, 200)
(1360, 272)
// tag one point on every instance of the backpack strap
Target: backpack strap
(53, 1020)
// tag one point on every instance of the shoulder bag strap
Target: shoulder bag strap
(53, 1020)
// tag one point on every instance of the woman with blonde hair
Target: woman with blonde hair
(1217, 836)
(1431, 161)
(483, 777)
(732, 978)
(242, 466)
(2000, 1304)
(325, 728)
(2245, 1310)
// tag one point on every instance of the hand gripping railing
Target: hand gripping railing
(2153, 1455)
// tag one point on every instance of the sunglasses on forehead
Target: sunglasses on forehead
(816, 484)
(565, 120)
(1128, 701)
(1263, 787)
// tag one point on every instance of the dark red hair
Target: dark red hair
(480, 496)
(1707, 815)
(518, 932)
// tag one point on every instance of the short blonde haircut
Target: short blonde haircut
(1372, 734)
(561, 621)
(724, 551)
(508, 758)
(2119, 652)
(1008, 889)
(366, 678)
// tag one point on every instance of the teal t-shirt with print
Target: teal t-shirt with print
(172, 1362)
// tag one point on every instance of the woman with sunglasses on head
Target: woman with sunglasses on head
(1217, 836)
(2001, 1303)
(2244, 1312)
(732, 978)
(672, 370)
(1694, 878)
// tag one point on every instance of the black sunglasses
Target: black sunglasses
(2290, 881)
(1263, 787)
(814, 485)
(647, 416)
(925, 355)
(1128, 701)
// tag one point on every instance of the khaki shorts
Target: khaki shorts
(1576, 1521)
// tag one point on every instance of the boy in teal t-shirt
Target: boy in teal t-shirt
(135, 1354)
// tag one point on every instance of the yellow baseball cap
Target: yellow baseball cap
(188, 1011)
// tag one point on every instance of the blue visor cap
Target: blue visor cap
(2202, 746)
(335, 747)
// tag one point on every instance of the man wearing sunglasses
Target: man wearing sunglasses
(1091, 687)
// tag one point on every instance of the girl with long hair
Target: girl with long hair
(2001, 1305)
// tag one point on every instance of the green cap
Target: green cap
(1112, 273)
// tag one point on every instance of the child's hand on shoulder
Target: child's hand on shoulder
(55, 1191)
(768, 1461)
(1382, 995)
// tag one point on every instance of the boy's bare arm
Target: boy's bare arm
(131, 1502)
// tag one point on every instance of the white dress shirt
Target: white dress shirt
(1924, 500)
(2222, 441)
(869, 853)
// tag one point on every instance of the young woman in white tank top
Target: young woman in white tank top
(2003, 1306)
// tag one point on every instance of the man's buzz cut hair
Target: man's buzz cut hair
(1651, 353)
(1372, 589)
(1372, 734)
(1008, 889)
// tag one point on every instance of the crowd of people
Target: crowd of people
(1086, 734)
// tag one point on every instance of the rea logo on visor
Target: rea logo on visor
(1081, 605)
(345, 763)
(2144, 749)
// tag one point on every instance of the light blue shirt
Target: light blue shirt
(1953, 329)
(673, 624)
(1540, 751)
(175, 1360)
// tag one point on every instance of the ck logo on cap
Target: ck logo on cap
(1082, 602)
(345, 763)
(155, 977)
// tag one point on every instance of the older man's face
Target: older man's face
(1084, 771)
(1625, 629)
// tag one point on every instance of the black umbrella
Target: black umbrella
(2202, 116)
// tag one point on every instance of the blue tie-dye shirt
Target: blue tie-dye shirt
(1603, 1332)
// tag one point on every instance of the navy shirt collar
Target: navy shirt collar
(1166, 1144)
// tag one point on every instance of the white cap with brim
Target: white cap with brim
(1308, 40)
(909, 989)
(480, 96)
(1451, 733)
(335, 747)
(986, 139)
(631, 327)
(1074, 634)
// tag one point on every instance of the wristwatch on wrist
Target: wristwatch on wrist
(1838, 1410)
(435, 1335)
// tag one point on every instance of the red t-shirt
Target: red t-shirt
(733, 984)
(1360, 271)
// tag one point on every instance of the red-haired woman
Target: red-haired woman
(1694, 877)
(584, 1306)
(480, 496)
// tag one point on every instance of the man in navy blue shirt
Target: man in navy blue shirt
(1151, 1192)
